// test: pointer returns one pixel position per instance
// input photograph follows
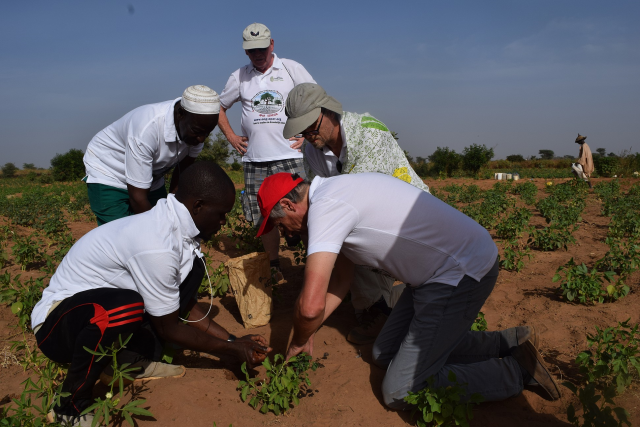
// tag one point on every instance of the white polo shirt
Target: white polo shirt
(150, 253)
(263, 97)
(380, 221)
(137, 149)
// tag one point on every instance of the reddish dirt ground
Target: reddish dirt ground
(347, 388)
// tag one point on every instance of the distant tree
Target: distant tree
(420, 160)
(68, 166)
(408, 156)
(532, 157)
(612, 155)
(546, 154)
(475, 157)
(515, 158)
(601, 151)
(568, 156)
(216, 149)
(28, 166)
(9, 170)
(445, 160)
(395, 135)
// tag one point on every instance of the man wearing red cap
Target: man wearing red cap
(448, 261)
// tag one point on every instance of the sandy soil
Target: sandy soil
(347, 388)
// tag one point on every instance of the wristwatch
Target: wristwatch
(231, 338)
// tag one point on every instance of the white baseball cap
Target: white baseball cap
(256, 36)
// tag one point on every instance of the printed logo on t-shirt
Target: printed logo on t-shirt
(276, 79)
(267, 102)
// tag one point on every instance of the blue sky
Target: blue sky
(519, 76)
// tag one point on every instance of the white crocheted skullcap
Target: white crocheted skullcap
(200, 99)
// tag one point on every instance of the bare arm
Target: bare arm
(175, 176)
(237, 142)
(250, 348)
(321, 294)
(138, 199)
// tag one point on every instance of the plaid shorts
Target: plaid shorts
(254, 174)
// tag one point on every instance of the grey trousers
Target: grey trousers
(428, 335)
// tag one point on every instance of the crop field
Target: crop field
(569, 261)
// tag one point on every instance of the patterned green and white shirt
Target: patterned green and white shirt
(368, 147)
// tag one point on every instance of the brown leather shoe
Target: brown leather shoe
(531, 361)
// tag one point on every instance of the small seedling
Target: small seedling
(480, 324)
(443, 406)
(105, 409)
(285, 383)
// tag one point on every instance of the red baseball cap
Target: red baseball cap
(274, 188)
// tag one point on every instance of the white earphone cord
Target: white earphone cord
(210, 296)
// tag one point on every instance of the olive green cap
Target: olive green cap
(303, 107)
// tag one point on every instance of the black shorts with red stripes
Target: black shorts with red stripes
(88, 319)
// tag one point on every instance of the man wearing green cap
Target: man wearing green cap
(262, 87)
(340, 142)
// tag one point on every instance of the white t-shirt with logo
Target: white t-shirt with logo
(150, 253)
(381, 222)
(137, 149)
(263, 97)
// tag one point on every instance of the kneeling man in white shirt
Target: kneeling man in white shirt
(145, 268)
(447, 260)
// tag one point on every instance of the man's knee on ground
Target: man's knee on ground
(380, 359)
(394, 398)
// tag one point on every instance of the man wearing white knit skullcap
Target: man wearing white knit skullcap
(126, 161)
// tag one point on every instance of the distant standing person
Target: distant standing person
(262, 87)
(340, 142)
(126, 161)
(583, 168)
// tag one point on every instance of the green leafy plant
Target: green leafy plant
(219, 282)
(107, 408)
(598, 410)
(480, 324)
(514, 224)
(25, 251)
(528, 191)
(514, 255)
(285, 383)
(443, 406)
(21, 297)
(445, 161)
(586, 286)
(551, 238)
(612, 355)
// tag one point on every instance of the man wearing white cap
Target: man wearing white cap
(262, 87)
(126, 161)
(347, 143)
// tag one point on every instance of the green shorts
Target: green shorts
(111, 203)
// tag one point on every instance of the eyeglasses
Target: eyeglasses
(311, 132)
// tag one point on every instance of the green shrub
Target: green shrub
(515, 158)
(444, 160)
(514, 255)
(475, 157)
(552, 238)
(528, 192)
(68, 166)
(28, 166)
(606, 166)
(480, 324)
(216, 149)
(9, 170)
(236, 166)
(443, 406)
